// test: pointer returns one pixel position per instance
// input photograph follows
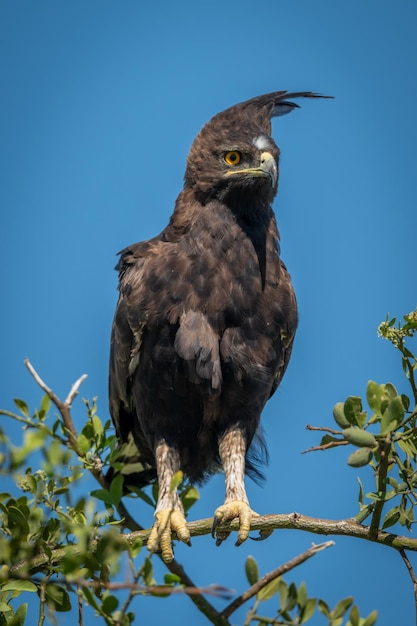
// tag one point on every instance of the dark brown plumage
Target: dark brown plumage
(205, 321)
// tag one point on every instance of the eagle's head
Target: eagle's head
(234, 158)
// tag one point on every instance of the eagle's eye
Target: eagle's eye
(232, 158)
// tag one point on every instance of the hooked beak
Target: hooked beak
(267, 169)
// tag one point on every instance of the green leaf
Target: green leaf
(22, 406)
(406, 401)
(292, 597)
(391, 391)
(103, 495)
(136, 547)
(110, 604)
(148, 572)
(189, 497)
(375, 394)
(17, 522)
(283, 594)
(307, 610)
(341, 607)
(172, 579)
(269, 590)
(353, 411)
(116, 489)
(328, 439)
(354, 616)
(83, 443)
(360, 496)
(392, 416)
(302, 595)
(45, 404)
(252, 570)
(391, 518)
(19, 585)
(324, 608)
(371, 619)
(20, 615)
(176, 480)
(97, 425)
(57, 598)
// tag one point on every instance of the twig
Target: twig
(326, 446)
(63, 407)
(80, 607)
(324, 429)
(279, 571)
(75, 389)
(412, 576)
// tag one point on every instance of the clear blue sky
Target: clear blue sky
(100, 103)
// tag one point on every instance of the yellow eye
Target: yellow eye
(232, 158)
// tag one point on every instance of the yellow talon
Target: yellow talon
(229, 511)
(160, 539)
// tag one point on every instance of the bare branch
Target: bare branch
(324, 429)
(412, 576)
(63, 407)
(75, 389)
(279, 571)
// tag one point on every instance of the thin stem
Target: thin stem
(80, 607)
(412, 576)
(279, 571)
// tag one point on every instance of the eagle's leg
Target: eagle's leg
(169, 512)
(232, 450)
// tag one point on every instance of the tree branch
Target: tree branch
(294, 521)
(279, 571)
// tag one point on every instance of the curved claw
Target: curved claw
(160, 539)
(263, 534)
(229, 511)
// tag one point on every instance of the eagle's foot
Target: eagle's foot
(229, 511)
(160, 539)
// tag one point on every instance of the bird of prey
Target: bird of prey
(205, 323)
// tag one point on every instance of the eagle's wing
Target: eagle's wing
(126, 338)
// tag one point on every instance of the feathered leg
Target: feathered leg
(232, 450)
(169, 512)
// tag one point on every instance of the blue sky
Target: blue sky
(101, 101)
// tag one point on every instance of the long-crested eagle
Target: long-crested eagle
(205, 322)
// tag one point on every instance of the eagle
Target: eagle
(205, 324)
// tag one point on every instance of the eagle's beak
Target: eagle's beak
(267, 169)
